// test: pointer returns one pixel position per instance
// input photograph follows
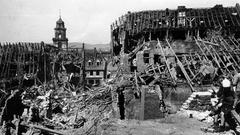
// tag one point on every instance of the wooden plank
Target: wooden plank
(224, 54)
(203, 17)
(219, 12)
(43, 129)
(236, 116)
(223, 44)
(201, 49)
(214, 12)
(233, 50)
(234, 17)
(216, 53)
(187, 62)
(237, 43)
(212, 16)
(214, 58)
(182, 68)
(142, 102)
(229, 15)
(207, 16)
(166, 62)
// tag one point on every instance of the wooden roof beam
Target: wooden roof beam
(195, 16)
(221, 16)
(203, 17)
(197, 19)
(234, 16)
(230, 15)
(214, 20)
(216, 14)
(207, 16)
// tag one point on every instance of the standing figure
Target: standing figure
(226, 96)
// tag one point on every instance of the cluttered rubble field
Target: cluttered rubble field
(157, 79)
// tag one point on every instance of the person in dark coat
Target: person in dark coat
(13, 107)
(121, 103)
(227, 97)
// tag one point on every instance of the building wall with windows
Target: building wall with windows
(95, 71)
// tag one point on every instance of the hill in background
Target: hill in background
(105, 47)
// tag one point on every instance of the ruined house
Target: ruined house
(96, 67)
(180, 23)
(171, 47)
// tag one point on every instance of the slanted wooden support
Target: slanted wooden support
(224, 55)
(203, 17)
(212, 17)
(207, 42)
(182, 68)
(229, 54)
(198, 56)
(216, 17)
(216, 53)
(187, 62)
(214, 58)
(237, 17)
(236, 21)
(207, 16)
(221, 16)
(142, 102)
(233, 50)
(235, 40)
(166, 62)
(136, 80)
(192, 59)
(236, 47)
(230, 16)
(201, 49)
(43, 129)
(236, 116)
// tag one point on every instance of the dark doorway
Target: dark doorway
(179, 35)
(156, 59)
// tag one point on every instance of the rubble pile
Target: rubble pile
(59, 108)
(200, 103)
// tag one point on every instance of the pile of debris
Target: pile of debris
(53, 107)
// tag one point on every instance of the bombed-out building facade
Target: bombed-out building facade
(163, 48)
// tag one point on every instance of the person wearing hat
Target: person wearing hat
(226, 96)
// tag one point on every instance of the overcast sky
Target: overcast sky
(86, 20)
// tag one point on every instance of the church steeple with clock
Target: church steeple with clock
(60, 40)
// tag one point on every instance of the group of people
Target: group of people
(228, 97)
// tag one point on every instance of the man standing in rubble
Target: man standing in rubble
(13, 109)
(121, 102)
(226, 96)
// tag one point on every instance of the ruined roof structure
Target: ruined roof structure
(172, 24)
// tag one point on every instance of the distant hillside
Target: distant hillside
(89, 46)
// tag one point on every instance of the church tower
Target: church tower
(60, 39)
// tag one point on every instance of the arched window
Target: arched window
(98, 62)
(59, 35)
(89, 63)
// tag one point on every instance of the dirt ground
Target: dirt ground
(172, 125)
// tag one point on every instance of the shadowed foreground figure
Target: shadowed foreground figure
(13, 107)
(121, 103)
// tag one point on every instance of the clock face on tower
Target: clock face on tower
(60, 39)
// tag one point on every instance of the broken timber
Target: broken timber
(166, 62)
(182, 68)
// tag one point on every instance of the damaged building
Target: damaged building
(168, 48)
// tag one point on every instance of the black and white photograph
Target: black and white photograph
(119, 67)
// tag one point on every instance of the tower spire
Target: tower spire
(59, 13)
